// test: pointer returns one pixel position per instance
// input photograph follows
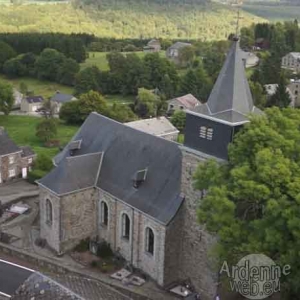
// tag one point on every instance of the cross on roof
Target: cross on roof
(238, 18)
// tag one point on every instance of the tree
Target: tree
(6, 97)
(252, 203)
(247, 37)
(75, 112)
(259, 94)
(178, 120)
(281, 98)
(122, 113)
(116, 61)
(48, 64)
(67, 71)
(70, 113)
(23, 88)
(92, 102)
(147, 103)
(43, 162)
(212, 62)
(14, 68)
(46, 129)
(6, 52)
(197, 82)
(87, 80)
(186, 55)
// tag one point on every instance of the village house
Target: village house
(135, 190)
(173, 52)
(15, 161)
(182, 103)
(251, 59)
(31, 104)
(153, 46)
(59, 99)
(17, 99)
(292, 90)
(159, 126)
(291, 61)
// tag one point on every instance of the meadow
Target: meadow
(273, 13)
(39, 87)
(99, 59)
(22, 130)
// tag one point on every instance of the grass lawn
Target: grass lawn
(119, 99)
(22, 130)
(99, 60)
(180, 138)
(39, 87)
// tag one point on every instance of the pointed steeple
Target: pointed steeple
(230, 100)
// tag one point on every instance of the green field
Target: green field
(22, 130)
(273, 12)
(39, 87)
(111, 99)
(99, 60)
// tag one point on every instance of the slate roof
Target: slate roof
(65, 287)
(27, 151)
(34, 99)
(188, 101)
(126, 151)
(153, 42)
(7, 145)
(74, 173)
(230, 100)
(179, 45)
(160, 126)
(62, 98)
(295, 55)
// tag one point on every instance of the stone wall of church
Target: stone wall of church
(78, 218)
(173, 248)
(133, 250)
(50, 231)
(152, 264)
(196, 243)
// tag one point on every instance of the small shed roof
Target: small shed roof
(34, 99)
(160, 126)
(188, 101)
(62, 98)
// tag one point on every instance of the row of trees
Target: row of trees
(129, 73)
(279, 38)
(71, 45)
(50, 65)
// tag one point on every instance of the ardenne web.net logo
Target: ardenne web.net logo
(256, 276)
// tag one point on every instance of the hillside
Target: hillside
(273, 11)
(126, 19)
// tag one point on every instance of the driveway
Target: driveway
(11, 277)
(11, 192)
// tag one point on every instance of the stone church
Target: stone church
(135, 190)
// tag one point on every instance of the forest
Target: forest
(126, 19)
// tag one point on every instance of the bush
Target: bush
(35, 175)
(94, 263)
(43, 163)
(83, 245)
(130, 48)
(104, 250)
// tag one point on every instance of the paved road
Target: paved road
(11, 277)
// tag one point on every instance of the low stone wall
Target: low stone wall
(56, 266)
